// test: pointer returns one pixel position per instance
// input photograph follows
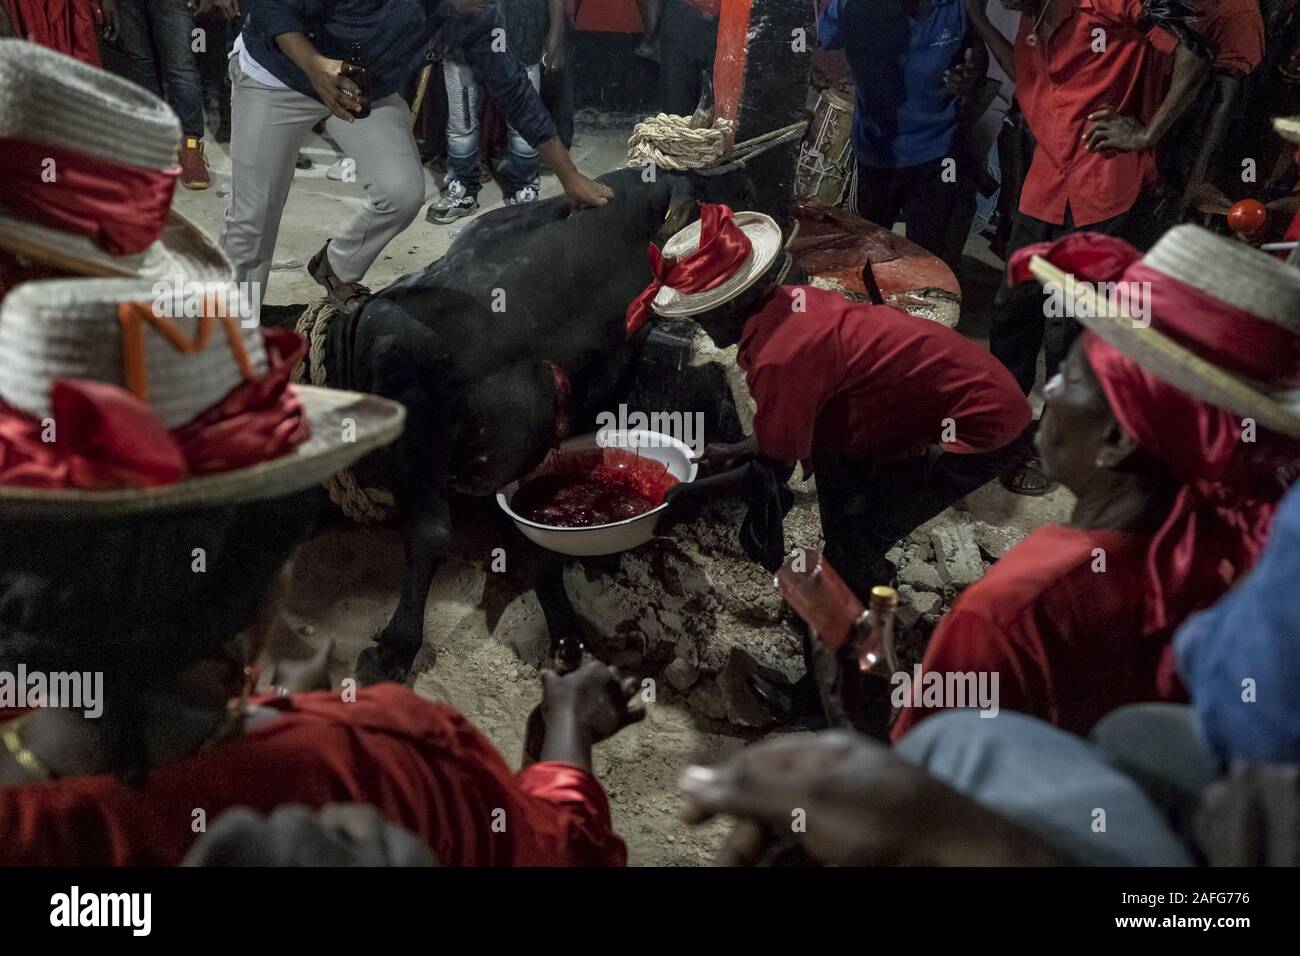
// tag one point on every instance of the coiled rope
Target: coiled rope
(362, 505)
(670, 142)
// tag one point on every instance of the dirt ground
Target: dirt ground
(483, 626)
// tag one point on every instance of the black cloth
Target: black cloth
(688, 42)
(938, 213)
(762, 533)
(867, 506)
(1020, 324)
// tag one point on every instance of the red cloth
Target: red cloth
(1060, 83)
(64, 25)
(423, 765)
(1234, 32)
(1230, 488)
(122, 208)
(871, 380)
(710, 8)
(106, 438)
(1065, 641)
(723, 249)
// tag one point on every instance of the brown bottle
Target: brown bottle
(354, 68)
(876, 629)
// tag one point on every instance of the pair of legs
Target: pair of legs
(1124, 798)
(154, 44)
(688, 43)
(464, 98)
(268, 127)
(933, 199)
(868, 505)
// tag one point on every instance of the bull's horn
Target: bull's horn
(703, 118)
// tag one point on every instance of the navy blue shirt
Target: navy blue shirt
(396, 38)
(903, 115)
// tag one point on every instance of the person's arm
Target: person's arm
(339, 94)
(555, 53)
(582, 708)
(1002, 49)
(1126, 134)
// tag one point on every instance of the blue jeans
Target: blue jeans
(1053, 783)
(153, 48)
(464, 96)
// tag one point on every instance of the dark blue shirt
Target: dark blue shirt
(396, 38)
(903, 115)
(1240, 660)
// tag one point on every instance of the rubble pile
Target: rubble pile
(695, 615)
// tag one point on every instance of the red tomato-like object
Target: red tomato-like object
(1247, 217)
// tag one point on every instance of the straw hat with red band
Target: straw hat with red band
(107, 409)
(90, 169)
(708, 263)
(1222, 345)
(1225, 317)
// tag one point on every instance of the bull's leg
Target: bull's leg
(426, 530)
(567, 641)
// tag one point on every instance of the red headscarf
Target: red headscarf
(1229, 487)
(723, 249)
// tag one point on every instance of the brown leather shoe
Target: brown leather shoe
(344, 296)
(194, 166)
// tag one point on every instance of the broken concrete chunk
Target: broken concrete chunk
(957, 555)
(996, 541)
(681, 674)
(921, 576)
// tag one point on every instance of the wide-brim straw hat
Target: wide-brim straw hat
(71, 329)
(1225, 269)
(47, 97)
(766, 245)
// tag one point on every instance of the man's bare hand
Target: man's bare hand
(1112, 131)
(581, 191)
(339, 94)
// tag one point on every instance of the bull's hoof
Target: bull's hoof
(378, 665)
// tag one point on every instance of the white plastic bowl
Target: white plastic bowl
(621, 535)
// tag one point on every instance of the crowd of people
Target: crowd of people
(159, 471)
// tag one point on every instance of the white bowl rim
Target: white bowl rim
(660, 438)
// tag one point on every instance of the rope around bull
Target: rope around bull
(670, 142)
(359, 504)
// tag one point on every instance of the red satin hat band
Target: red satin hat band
(1224, 334)
(723, 249)
(121, 208)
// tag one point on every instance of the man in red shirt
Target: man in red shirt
(898, 417)
(1177, 467)
(1090, 81)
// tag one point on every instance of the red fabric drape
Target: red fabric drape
(106, 438)
(64, 25)
(1230, 487)
(723, 248)
(122, 208)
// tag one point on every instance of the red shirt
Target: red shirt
(1234, 31)
(710, 8)
(871, 380)
(1061, 82)
(1066, 640)
(421, 764)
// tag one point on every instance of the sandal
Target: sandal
(344, 296)
(1028, 478)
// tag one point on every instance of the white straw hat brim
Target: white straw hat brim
(345, 426)
(766, 241)
(182, 249)
(1179, 366)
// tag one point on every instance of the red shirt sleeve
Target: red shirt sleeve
(790, 394)
(577, 803)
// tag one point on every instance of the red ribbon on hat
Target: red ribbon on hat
(723, 249)
(106, 438)
(121, 208)
(1229, 490)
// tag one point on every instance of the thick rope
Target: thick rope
(362, 505)
(669, 142)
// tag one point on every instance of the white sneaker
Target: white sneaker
(525, 195)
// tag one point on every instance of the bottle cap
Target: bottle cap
(883, 598)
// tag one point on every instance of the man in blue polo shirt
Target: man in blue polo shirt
(913, 62)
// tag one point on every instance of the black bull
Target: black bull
(464, 343)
